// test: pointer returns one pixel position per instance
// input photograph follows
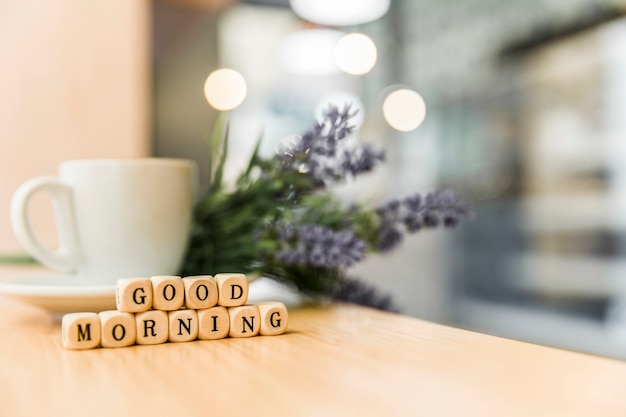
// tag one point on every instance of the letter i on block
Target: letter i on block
(118, 329)
(152, 327)
(274, 318)
(80, 331)
(168, 292)
(214, 323)
(245, 321)
(133, 295)
(232, 289)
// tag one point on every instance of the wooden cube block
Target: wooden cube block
(133, 295)
(200, 292)
(214, 323)
(183, 325)
(152, 327)
(118, 329)
(245, 321)
(80, 331)
(274, 318)
(232, 289)
(168, 292)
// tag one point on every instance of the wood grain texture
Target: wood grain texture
(333, 361)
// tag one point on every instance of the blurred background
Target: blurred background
(525, 117)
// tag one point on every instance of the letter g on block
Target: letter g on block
(133, 295)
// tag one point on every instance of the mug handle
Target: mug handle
(66, 257)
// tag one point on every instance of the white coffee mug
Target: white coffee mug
(116, 218)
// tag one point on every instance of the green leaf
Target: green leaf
(214, 144)
(253, 160)
(219, 171)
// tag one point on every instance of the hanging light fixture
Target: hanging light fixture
(340, 12)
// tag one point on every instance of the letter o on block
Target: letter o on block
(118, 329)
(133, 295)
(200, 292)
(80, 331)
(168, 292)
(232, 289)
(244, 321)
(274, 318)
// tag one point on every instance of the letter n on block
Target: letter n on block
(183, 325)
(80, 331)
(245, 321)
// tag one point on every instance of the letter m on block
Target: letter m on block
(84, 334)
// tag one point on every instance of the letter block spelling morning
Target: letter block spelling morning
(152, 327)
(80, 330)
(274, 318)
(118, 329)
(183, 325)
(214, 323)
(150, 312)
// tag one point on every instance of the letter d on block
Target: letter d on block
(80, 331)
(232, 289)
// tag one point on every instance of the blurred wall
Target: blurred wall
(74, 83)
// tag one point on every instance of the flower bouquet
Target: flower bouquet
(280, 219)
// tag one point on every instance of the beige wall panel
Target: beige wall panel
(74, 83)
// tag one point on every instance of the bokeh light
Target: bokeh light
(404, 110)
(355, 54)
(225, 89)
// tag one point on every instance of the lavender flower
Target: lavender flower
(321, 153)
(358, 292)
(415, 212)
(318, 246)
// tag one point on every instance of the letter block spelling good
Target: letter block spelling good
(152, 327)
(232, 289)
(274, 318)
(183, 325)
(118, 329)
(200, 292)
(168, 292)
(80, 331)
(245, 321)
(214, 323)
(133, 295)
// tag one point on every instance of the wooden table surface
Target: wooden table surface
(337, 360)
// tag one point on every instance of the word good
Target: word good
(169, 308)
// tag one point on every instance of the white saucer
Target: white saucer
(58, 294)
